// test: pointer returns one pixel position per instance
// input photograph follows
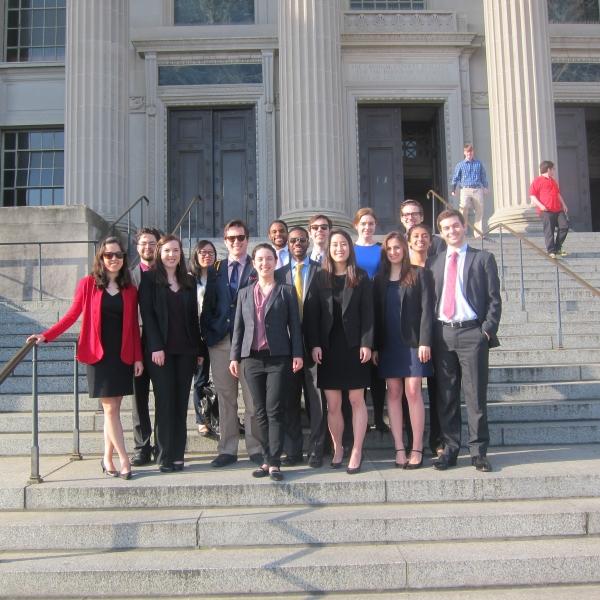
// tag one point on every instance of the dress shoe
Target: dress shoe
(292, 461)
(412, 466)
(335, 465)
(275, 474)
(177, 466)
(106, 471)
(481, 463)
(400, 465)
(260, 473)
(140, 459)
(444, 461)
(166, 468)
(226, 459)
(382, 427)
(126, 475)
(354, 470)
(315, 462)
(256, 458)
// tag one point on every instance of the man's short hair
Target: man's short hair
(317, 217)
(235, 223)
(276, 221)
(147, 231)
(298, 228)
(545, 166)
(447, 214)
(468, 147)
(410, 202)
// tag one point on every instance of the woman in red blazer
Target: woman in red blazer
(109, 342)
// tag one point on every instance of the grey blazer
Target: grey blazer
(282, 323)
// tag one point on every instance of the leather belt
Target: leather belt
(461, 324)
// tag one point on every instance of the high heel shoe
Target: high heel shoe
(403, 464)
(126, 475)
(411, 466)
(354, 470)
(106, 471)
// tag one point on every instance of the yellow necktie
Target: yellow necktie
(298, 285)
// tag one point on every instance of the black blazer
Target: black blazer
(481, 287)
(416, 310)
(155, 314)
(357, 312)
(282, 323)
(284, 275)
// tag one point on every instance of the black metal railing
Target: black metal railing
(186, 218)
(128, 223)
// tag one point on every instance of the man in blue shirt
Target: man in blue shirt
(470, 175)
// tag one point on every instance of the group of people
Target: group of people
(312, 314)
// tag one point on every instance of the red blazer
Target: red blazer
(88, 300)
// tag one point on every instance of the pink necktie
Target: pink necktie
(449, 304)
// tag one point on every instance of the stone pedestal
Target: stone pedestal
(312, 163)
(96, 105)
(520, 103)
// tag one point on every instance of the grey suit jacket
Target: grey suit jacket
(282, 323)
(481, 287)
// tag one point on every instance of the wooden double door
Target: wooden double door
(212, 152)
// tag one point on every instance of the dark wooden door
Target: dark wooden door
(380, 155)
(212, 152)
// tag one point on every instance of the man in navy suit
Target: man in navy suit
(224, 280)
(467, 310)
(299, 272)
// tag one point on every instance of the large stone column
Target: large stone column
(96, 105)
(520, 102)
(312, 162)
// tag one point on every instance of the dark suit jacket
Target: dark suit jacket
(218, 308)
(282, 323)
(155, 313)
(481, 288)
(357, 312)
(416, 310)
(437, 245)
(284, 275)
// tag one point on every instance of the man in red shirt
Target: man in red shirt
(550, 205)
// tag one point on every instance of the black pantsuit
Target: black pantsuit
(140, 413)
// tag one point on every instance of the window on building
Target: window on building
(574, 11)
(35, 30)
(387, 4)
(214, 12)
(32, 168)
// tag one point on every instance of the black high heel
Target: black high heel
(126, 475)
(401, 465)
(412, 466)
(106, 471)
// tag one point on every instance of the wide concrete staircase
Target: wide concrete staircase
(534, 521)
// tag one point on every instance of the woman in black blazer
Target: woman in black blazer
(403, 297)
(172, 344)
(338, 318)
(267, 339)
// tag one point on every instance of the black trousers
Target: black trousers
(171, 384)
(269, 379)
(461, 360)
(316, 409)
(554, 223)
(201, 379)
(140, 413)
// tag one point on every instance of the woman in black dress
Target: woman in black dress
(339, 326)
(403, 296)
(172, 345)
(109, 342)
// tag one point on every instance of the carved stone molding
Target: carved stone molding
(209, 59)
(394, 72)
(400, 22)
(479, 100)
(137, 104)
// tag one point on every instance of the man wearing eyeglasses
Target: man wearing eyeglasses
(299, 272)
(411, 214)
(146, 240)
(319, 227)
(225, 279)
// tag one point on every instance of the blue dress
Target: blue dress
(396, 359)
(368, 257)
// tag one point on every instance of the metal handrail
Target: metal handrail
(559, 266)
(112, 228)
(195, 202)
(14, 362)
(127, 212)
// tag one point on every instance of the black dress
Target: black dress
(110, 376)
(341, 368)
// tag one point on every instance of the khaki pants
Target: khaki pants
(472, 198)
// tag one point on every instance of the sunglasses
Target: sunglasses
(323, 227)
(299, 240)
(111, 255)
(232, 238)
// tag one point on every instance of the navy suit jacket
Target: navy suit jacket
(218, 308)
(481, 287)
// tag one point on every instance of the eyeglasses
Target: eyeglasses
(323, 227)
(298, 240)
(414, 215)
(232, 238)
(111, 255)
(149, 244)
(206, 253)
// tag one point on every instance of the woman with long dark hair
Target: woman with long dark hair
(403, 298)
(203, 257)
(172, 345)
(109, 342)
(338, 315)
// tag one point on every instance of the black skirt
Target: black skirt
(110, 376)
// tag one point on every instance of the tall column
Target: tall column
(520, 102)
(96, 105)
(312, 161)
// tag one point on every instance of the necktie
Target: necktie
(234, 279)
(449, 303)
(298, 284)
